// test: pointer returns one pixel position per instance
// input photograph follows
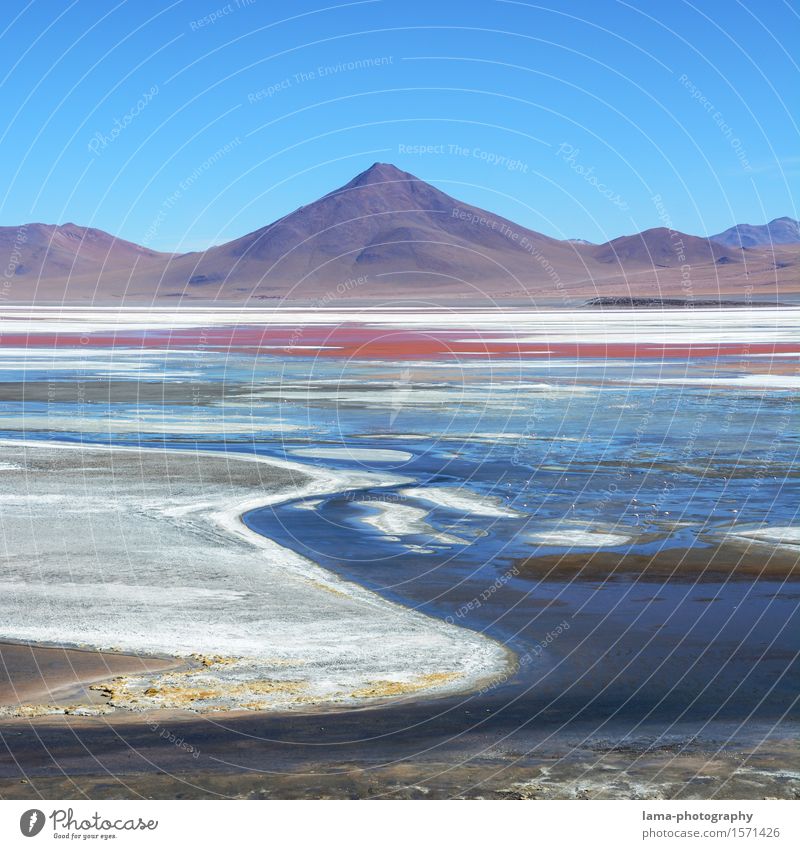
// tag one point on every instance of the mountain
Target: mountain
(49, 250)
(779, 231)
(388, 236)
(389, 231)
(663, 248)
(66, 256)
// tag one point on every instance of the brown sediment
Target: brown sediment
(214, 659)
(175, 696)
(727, 561)
(383, 689)
(182, 690)
(326, 588)
(770, 772)
(48, 709)
(186, 689)
(47, 676)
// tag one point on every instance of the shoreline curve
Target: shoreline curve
(384, 651)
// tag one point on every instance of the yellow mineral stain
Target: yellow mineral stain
(214, 659)
(170, 695)
(383, 689)
(328, 588)
(29, 711)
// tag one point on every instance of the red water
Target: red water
(355, 341)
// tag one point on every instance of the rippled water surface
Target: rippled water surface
(627, 526)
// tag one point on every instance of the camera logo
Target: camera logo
(31, 822)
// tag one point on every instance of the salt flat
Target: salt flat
(143, 551)
(462, 500)
(709, 325)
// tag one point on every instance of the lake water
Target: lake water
(625, 521)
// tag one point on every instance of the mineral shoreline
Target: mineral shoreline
(144, 552)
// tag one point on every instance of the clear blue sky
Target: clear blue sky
(590, 109)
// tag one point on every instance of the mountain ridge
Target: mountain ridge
(779, 231)
(401, 235)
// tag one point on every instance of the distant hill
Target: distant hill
(779, 231)
(386, 235)
(663, 248)
(32, 253)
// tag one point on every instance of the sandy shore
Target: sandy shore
(144, 553)
(731, 560)
(248, 758)
(712, 776)
(35, 675)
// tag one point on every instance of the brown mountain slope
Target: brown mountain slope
(389, 227)
(47, 252)
(387, 235)
(663, 248)
(779, 231)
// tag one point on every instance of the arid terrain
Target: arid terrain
(389, 236)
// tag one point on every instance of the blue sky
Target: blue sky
(186, 124)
